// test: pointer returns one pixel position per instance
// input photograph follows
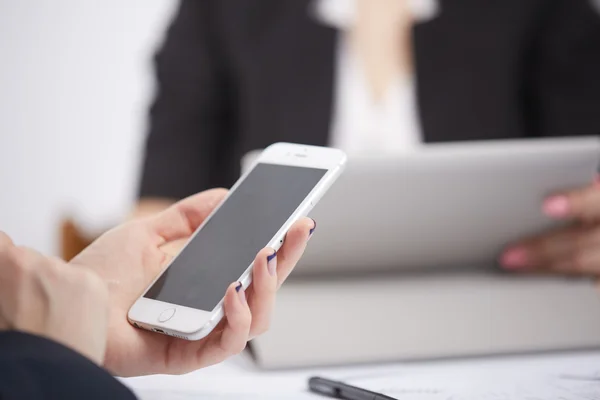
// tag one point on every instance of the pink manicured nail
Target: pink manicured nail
(515, 258)
(557, 206)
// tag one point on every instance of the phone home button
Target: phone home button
(166, 315)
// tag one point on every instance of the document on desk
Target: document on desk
(573, 377)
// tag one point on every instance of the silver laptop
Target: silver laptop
(444, 206)
(402, 264)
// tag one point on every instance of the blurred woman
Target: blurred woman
(376, 76)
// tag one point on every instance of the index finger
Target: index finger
(293, 247)
(184, 217)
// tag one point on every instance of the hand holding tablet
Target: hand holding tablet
(574, 249)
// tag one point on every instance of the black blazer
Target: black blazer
(34, 368)
(234, 76)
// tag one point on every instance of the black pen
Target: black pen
(339, 390)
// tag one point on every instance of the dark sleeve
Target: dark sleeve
(189, 119)
(566, 75)
(34, 368)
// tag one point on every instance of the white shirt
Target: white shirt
(360, 124)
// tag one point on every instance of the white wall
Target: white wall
(75, 82)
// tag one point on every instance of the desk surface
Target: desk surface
(236, 378)
(537, 376)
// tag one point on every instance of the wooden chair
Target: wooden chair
(72, 239)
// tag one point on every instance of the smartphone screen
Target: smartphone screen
(227, 244)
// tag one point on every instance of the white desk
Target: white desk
(573, 376)
(236, 378)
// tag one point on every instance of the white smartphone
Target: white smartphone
(283, 185)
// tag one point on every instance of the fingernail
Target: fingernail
(272, 263)
(241, 293)
(514, 258)
(313, 228)
(557, 206)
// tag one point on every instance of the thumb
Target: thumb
(184, 217)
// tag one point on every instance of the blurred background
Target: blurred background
(90, 87)
(79, 110)
(76, 79)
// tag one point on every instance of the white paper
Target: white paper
(560, 377)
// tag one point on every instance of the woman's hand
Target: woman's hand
(129, 257)
(574, 249)
(47, 297)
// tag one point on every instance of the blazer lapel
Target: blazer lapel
(296, 64)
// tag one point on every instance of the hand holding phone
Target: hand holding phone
(186, 300)
(129, 271)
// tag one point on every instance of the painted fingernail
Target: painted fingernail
(313, 228)
(240, 290)
(272, 263)
(514, 259)
(557, 206)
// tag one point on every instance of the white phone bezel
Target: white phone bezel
(194, 324)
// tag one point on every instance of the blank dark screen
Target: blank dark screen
(227, 244)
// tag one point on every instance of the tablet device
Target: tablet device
(443, 206)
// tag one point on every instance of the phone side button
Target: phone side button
(166, 315)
